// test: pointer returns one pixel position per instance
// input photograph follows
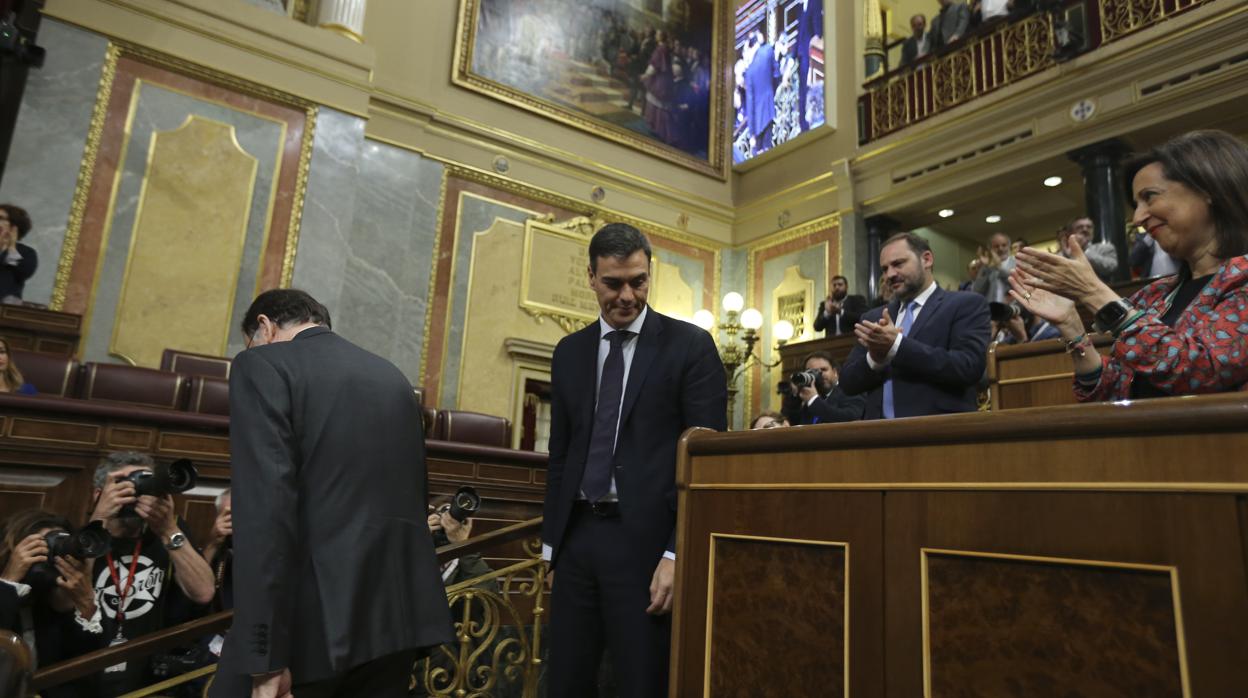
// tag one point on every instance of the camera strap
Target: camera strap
(122, 594)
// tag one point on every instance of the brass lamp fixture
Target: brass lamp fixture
(740, 325)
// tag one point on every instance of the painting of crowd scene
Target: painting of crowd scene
(641, 65)
(778, 74)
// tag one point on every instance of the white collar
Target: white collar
(635, 326)
(921, 299)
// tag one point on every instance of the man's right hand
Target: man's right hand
(113, 497)
(32, 549)
(831, 307)
(806, 392)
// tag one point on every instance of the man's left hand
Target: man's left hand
(275, 685)
(805, 393)
(877, 337)
(662, 587)
(158, 513)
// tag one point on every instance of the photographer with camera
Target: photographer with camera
(133, 501)
(1012, 324)
(449, 522)
(818, 389)
(45, 590)
(995, 265)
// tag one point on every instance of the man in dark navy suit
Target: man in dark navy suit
(337, 589)
(930, 359)
(622, 392)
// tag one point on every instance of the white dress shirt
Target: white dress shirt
(920, 300)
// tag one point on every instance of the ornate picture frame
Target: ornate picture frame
(600, 81)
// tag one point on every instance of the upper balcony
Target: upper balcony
(1002, 52)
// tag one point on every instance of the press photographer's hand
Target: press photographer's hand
(115, 495)
(32, 549)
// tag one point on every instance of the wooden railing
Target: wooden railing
(1000, 54)
(147, 645)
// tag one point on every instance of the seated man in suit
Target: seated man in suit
(840, 311)
(824, 401)
(931, 359)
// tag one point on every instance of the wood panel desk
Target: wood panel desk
(40, 330)
(791, 355)
(1100, 549)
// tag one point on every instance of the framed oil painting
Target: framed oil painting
(643, 73)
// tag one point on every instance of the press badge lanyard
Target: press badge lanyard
(124, 593)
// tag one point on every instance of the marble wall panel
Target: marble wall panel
(48, 141)
(383, 304)
(159, 109)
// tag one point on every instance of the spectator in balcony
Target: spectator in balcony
(11, 380)
(839, 311)
(824, 402)
(769, 420)
(48, 602)
(18, 262)
(951, 23)
(1181, 334)
(996, 263)
(918, 44)
(1103, 256)
(1018, 244)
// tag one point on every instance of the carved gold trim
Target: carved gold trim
(86, 174)
(710, 596)
(342, 30)
(716, 163)
(297, 201)
(1171, 570)
(433, 285)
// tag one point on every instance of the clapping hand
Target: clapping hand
(1050, 306)
(1072, 279)
(877, 337)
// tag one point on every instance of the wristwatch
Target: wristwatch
(177, 540)
(1111, 315)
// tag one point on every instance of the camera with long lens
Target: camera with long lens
(1004, 312)
(464, 504)
(804, 379)
(86, 544)
(174, 478)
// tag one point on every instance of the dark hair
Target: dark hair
(284, 306)
(776, 416)
(821, 354)
(841, 277)
(1212, 163)
(24, 523)
(918, 245)
(619, 240)
(19, 218)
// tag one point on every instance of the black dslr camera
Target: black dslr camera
(87, 544)
(175, 478)
(804, 379)
(1004, 312)
(465, 503)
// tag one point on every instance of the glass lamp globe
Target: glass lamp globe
(733, 302)
(704, 319)
(751, 319)
(782, 331)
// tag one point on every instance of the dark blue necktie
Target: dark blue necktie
(597, 480)
(907, 319)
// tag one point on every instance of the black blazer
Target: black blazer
(939, 363)
(676, 381)
(332, 552)
(852, 309)
(836, 406)
(58, 638)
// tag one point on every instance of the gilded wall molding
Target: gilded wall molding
(433, 276)
(115, 52)
(86, 173)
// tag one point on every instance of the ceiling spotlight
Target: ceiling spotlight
(1052, 181)
(945, 212)
(994, 218)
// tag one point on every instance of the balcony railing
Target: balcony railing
(1000, 54)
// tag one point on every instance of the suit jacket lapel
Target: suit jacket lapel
(647, 349)
(929, 308)
(587, 371)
